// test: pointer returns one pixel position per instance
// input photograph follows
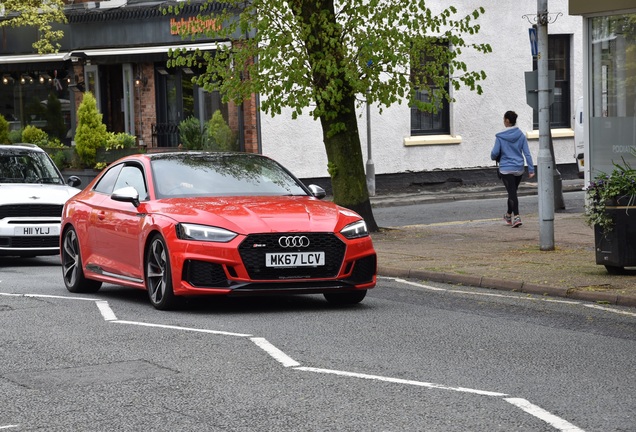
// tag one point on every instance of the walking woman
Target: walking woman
(511, 147)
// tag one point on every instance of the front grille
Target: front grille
(363, 270)
(255, 246)
(31, 210)
(30, 242)
(202, 274)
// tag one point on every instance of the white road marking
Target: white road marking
(543, 299)
(47, 296)
(278, 355)
(105, 310)
(607, 309)
(171, 327)
(551, 419)
(400, 381)
(534, 410)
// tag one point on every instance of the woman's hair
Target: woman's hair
(512, 117)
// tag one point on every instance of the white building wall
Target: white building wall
(298, 144)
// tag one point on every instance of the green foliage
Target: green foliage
(15, 136)
(4, 130)
(39, 15)
(219, 135)
(35, 135)
(120, 140)
(620, 184)
(91, 133)
(317, 54)
(192, 134)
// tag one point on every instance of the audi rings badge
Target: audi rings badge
(293, 241)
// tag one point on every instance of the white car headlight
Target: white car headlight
(355, 230)
(187, 231)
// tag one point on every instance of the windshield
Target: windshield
(221, 175)
(28, 167)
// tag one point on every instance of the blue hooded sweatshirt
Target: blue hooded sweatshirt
(512, 145)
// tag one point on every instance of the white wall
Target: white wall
(298, 144)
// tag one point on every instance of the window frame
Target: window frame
(561, 57)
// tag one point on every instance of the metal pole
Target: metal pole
(370, 165)
(544, 161)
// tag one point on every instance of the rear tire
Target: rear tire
(72, 271)
(159, 275)
(345, 298)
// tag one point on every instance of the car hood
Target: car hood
(35, 193)
(259, 214)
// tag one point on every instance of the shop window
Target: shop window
(559, 62)
(39, 98)
(423, 68)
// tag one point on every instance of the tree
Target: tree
(91, 133)
(324, 56)
(40, 14)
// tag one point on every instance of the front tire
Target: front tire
(159, 275)
(345, 298)
(72, 271)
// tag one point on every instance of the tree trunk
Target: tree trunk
(336, 105)
(346, 165)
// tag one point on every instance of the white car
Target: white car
(32, 195)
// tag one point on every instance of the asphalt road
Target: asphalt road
(470, 209)
(411, 357)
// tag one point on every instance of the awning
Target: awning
(141, 51)
(33, 58)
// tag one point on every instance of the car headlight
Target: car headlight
(187, 231)
(355, 230)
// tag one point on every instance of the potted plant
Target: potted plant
(611, 210)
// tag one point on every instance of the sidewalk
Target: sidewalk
(490, 254)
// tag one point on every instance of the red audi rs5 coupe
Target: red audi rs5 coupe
(205, 223)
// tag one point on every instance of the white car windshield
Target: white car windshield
(24, 166)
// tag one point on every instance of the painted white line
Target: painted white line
(9, 426)
(400, 381)
(608, 309)
(278, 355)
(106, 311)
(551, 419)
(520, 297)
(418, 284)
(47, 296)
(171, 327)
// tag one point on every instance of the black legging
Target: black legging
(511, 182)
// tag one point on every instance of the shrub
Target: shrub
(191, 134)
(121, 140)
(91, 133)
(35, 135)
(15, 136)
(219, 135)
(4, 130)
(54, 120)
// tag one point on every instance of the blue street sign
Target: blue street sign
(532, 32)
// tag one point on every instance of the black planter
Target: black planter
(616, 249)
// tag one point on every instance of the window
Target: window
(559, 62)
(425, 70)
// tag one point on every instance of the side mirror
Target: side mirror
(126, 194)
(317, 191)
(73, 181)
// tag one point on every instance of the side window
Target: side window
(107, 182)
(559, 62)
(131, 175)
(428, 78)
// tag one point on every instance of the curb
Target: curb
(509, 285)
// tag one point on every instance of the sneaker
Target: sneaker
(517, 222)
(507, 219)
